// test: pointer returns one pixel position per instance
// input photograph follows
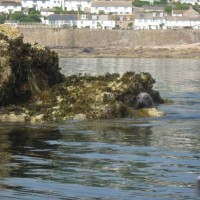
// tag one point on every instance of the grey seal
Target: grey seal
(144, 100)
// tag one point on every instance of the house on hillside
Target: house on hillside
(177, 13)
(191, 13)
(137, 9)
(9, 6)
(65, 20)
(182, 22)
(152, 8)
(186, 13)
(77, 5)
(124, 21)
(47, 11)
(193, 2)
(96, 22)
(41, 4)
(82, 21)
(114, 7)
(154, 20)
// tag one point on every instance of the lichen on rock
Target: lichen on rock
(91, 97)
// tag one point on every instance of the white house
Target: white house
(7, 6)
(115, 7)
(96, 21)
(82, 21)
(177, 13)
(193, 2)
(40, 4)
(182, 22)
(47, 11)
(77, 5)
(58, 20)
(153, 8)
(150, 21)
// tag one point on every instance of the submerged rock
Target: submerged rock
(149, 112)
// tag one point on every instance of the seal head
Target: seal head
(144, 100)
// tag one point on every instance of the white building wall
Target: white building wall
(190, 2)
(149, 23)
(60, 23)
(116, 10)
(108, 24)
(181, 24)
(54, 3)
(10, 8)
(76, 5)
(38, 4)
(96, 24)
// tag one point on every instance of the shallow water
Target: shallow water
(132, 158)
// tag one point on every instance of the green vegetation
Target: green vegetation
(181, 6)
(196, 7)
(2, 18)
(161, 2)
(138, 3)
(33, 11)
(168, 9)
(101, 12)
(176, 6)
(21, 17)
(58, 10)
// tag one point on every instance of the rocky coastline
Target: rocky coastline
(190, 51)
(32, 89)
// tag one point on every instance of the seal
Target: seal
(144, 100)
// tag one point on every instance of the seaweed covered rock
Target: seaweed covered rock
(33, 89)
(24, 69)
(87, 97)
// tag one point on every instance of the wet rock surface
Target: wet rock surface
(88, 97)
(32, 89)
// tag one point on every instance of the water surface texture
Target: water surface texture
(121, 159)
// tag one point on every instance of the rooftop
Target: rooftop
(111, 3)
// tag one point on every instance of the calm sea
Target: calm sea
(118, 159)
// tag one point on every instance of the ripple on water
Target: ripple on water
(138, 158)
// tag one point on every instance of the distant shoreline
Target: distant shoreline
(191, 51)
(117, 43)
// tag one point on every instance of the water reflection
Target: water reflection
(21, 145)
(131, 158)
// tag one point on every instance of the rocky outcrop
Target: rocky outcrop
(24, 69)
(32, 88)
(88, 97)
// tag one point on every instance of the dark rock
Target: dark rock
(89, 97)
(24, 69)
